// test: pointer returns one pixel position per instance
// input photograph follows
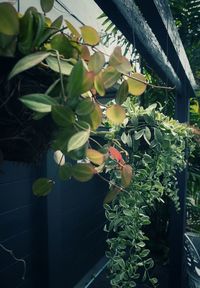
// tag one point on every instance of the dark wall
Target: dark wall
(60, 236)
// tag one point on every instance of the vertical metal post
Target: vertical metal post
(178, 220)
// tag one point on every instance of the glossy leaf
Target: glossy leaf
(135, 87)
(78, 140)
(110, 76)
(85, 107)
(59, 158)
(65, 172)
(83, 172)
(126, 173)
(75, 80)
(46, 5)
(90, 35)
(62, 115)
(122, 93)
(99, 84)
(38, 102)
(61, 43)
(65, 66)
(96, 63)
(115, 154)
(111, 195)
(116, 114)
(95, 156)
(28, 62)
(42, 186)
(72, 29)
(9, 22)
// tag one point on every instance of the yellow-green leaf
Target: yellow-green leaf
(99, 84)
(96, 63)
(46, 5)
(122, 93)
(42, 186)
(65, 66)
(9, 22)
(38, 102)
(94, 118)
(28, 62)
(119, 62)
(116, 114)
(95, 156)
(135, 87)
(90, 35)
(110, 76)
(78, 140)
(83, 172)
(72, 29)
(126, 174)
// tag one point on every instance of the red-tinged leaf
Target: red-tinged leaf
(88, 81)
(122, 93)
(135, 87)
(115, 154)
(116, 114)
(110, 76)
(127, 174)
(95, 156)
(85, 53)
(83, 172)
(90, 35)
(111, 195)
(99, 84)
(96, 63)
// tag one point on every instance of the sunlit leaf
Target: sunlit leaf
(75, 80)
(72, 29)
(61, 43)
(83, 172)
(28, 62)
(116, 114)
(96, 63)
(46, 5)
(65, 66)
(122, 93)
(95, 156)
(126, 173)
(9, 22)
(99, 84)
(38, 102)
(85, 107)
(119, 62)
(111, 195)
(135, 87)
(78, 140)
(62, 115)
(110, 76)
(65, 172)
(115, 154)
(59, 158)
(42, 186)
(90, 35)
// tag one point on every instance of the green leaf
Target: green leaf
(65, 172)
(75, 80)
(57, 23)
(95, 156)
(72, 29)
(66, 67)
(78, 140)
(38, 102)
(111, 195)
(85, 107)
(99, 84)
(96, 63)
(61, 43)
(46, 5)
(110, 76)
(9, 22)
(62, 115)
(94, 118)
(83, 172)
(122, 93)
(147, 133)
(139, 134)
(28, 62)
(42, 186)
(116, 114)
(90, 35)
